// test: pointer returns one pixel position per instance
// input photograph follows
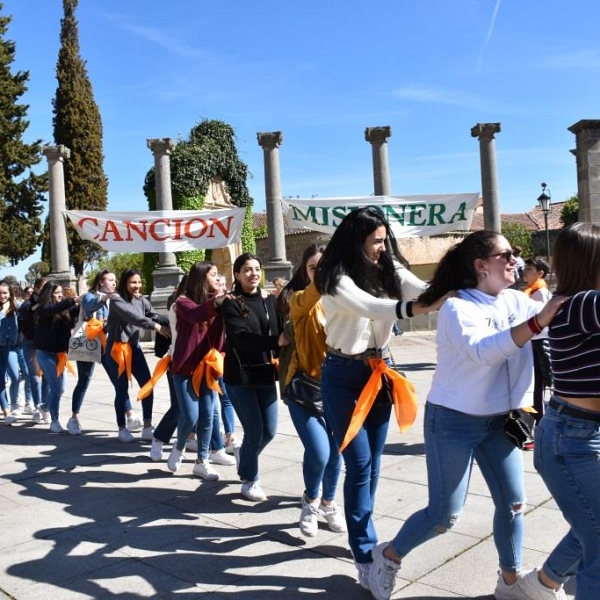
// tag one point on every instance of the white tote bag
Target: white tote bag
(81, 348)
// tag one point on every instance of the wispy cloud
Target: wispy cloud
(435, 95)
(577, 59)
(158, 37)
(488, 36)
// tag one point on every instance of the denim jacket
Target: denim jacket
(9, 330)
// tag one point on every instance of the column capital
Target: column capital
(378, 135)
(59, 152)
(160, 146)
(485, 130)
(583, 125)
(269, 140)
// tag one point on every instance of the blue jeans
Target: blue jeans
(321, 463)
(165, 429)
(56, 384)
(453, 440)
(22, 367)
(141, 373)
(35, 381)
(85, 370)
(8, 367)
(227, 412)
(257, 411)
(567, 456)
(195, 413)
(342, 381)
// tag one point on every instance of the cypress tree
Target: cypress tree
(21, 190)
(77, 125)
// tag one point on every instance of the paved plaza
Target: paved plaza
(90, 517)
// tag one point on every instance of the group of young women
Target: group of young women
(333, 323)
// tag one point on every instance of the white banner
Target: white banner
(159, 230)
(408, 216)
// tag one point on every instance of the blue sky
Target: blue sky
(321, 72)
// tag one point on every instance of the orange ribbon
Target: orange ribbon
(538, 284)
(161, 368)
(95, 328)
(211, 366)
(61, 362)
(121, 354)
(403, 395)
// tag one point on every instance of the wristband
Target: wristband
(534, 326)
(404, 309)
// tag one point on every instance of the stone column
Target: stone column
(489, 177)
(378, 138)
(167, 274)
(278, 265)
(59, 244)
(587, 154)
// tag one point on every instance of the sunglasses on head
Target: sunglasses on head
(506, 255)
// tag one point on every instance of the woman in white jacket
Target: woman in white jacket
(484, 370)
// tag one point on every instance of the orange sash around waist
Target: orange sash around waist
(61, 362)
(210, 366)
(403, 394)
(95, 328)
(121, 354)
(161, 368)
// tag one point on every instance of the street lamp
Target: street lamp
(544, 202)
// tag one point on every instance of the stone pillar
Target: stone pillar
(587, 154)
(59, 244)
(167, 274)
(278, 265)
(378, 138)
(489, 176)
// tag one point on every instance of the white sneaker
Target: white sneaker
(126, 436)
(363, 574)
(10, 419)
(133, 422)
(147, 434)
(28, 409)
(309, 518)
(175, 459)
(191, 445)
(14, 410)
(73, 426)
(527, 587)
(37, 417)
(56, 427)
(230, 445)
(333, 516)
(46, 415)
(156, 450)
(382, 576)
(218, 457)
(205, 470)
(251, 490)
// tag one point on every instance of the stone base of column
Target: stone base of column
(277, 269)
(165, 280)
(65, 278)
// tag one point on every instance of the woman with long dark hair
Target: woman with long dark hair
(130, 313)
(198, 347)
(305, 330)
(253, 326)
(365, 286)
(484, 371)
(9, 339)
(54, 318)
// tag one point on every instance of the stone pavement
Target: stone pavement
(90, 517)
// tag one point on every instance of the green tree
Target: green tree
(117, 263)
(77, 125)
(208, 152)
(21, 190)
(570, 211)
(37, 270)
(517, 234)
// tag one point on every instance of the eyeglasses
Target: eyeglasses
(506, 255)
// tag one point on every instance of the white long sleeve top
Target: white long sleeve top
(355, 320)
(480, 370)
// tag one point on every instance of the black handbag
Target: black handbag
(256, 375)
(517, 430)
(305, 391)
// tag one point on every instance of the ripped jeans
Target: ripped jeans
(453, 440)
